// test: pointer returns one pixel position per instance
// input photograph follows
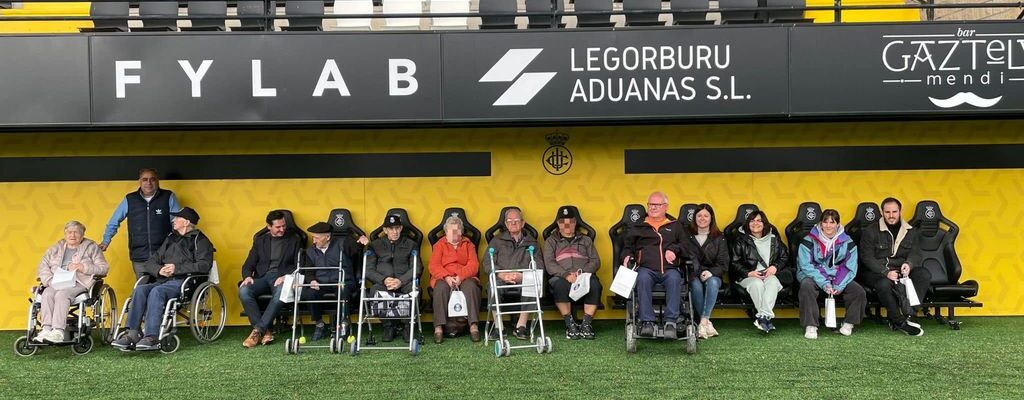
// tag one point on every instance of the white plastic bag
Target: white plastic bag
(457, 305)
(533, 284)
(581, 287)
(624, 281)
(288, 290)
(830, 312)
(911, 292)
(63, 279)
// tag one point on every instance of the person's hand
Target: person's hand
(392, 283)
(892, 275)
(103, 246)
(625, 261)
(74, 267)
(511, 277)
(458, 281)
(247, 281)
(279, 281)
(572, 277)
(450, 280)
(905, 269)
(770, 271)
(705, 275)
(754, 274)
(314, 285)
(670, 256)
(167, 270)
(363, 240)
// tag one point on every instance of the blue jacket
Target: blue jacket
(836, 266)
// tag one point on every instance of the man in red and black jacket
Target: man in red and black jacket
(655, 244)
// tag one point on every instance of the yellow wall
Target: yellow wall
(984, 202)
(891, 15)
(39, 9)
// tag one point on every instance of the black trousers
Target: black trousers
(854, 299)
(559, 289)
(887, 295)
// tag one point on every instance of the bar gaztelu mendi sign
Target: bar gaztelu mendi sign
(633, 75)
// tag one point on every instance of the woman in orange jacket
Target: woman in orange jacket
(454, 266)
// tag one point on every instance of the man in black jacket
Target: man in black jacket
(272, 256)
(887, 254)
(654, 243)
(185, 251)
(148, 211)
(389, 266)
(325, 256)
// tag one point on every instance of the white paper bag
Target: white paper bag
(533, 284)
(581, 287)
(624, 280)
(830, 312)
(288, 290)
(63, 279)
(911, 292)
(457, 304)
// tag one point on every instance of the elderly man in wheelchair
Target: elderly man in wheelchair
(185, 252)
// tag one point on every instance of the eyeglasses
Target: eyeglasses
(513, 221)
(653, 205)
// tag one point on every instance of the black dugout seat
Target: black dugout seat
(582, 227)
(468, 229)
(408, 229)
(499, 226)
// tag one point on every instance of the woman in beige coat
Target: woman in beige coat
(73, 253)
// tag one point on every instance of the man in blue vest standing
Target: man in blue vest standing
(149, 212)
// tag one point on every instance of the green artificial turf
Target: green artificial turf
(983, 360)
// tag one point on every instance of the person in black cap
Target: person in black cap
(326, 253)
(272, 256)
(185, 251)
(389, 266)
(567, 254)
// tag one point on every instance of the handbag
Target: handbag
(457, 304)
(830, 312)
(63, 279)
(533, 283)
(289, 291)
(912, 299)
(581, 287)
(625, 279)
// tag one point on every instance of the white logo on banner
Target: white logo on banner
(526, 86)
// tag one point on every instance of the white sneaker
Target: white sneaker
(846, 329)
(702, 331)
(41, 335)
(811, 332)
(55, 336)
(711, 330)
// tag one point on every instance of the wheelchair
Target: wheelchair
(686, 326)
(92, 311)
(200, 305)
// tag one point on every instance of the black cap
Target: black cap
(392, 220)
(189, 214)
(319, 227)
(566, 212)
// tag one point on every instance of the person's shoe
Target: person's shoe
(389, 334)
(493, 334)
(127, 341)
(522, 333)
(438, 335)
(587, 331)
(321, 331)
(846, 329)
(148, 343)
(647, 329)
(702, 331)
(572, 330)
(771, 326)
(762, 324)
(811, 332)
(909, 328)
(268, 337)
(406, 333)
(40, 337)
(670, 331)
(474, 333)
(55, 336)
(253, 339)
(711, 330)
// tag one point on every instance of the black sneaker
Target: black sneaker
(406, 332)
(148, 343)
(127, 341)
(572, 330)
(587, 331)
(909, 328)
(670, 331)
(647, 329)
(389, 333)
(493, 334)
(771, 326)
(522, 333)
(763, 324)
(321, 331)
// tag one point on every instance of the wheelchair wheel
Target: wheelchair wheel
(547, 344)
(170, 344)
(83, 346)
(208, 312)
(22, 348)
(105, 315)
(691, 339)
(630, 339)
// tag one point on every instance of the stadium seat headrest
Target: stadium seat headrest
(634, 214)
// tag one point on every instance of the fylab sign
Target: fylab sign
(401, 78)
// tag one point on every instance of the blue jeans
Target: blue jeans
(150, 300)
(645, 280)
(704, 296)
(248, 294)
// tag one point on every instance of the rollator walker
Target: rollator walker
(374, 306)
(340, 319)
(497, 308)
